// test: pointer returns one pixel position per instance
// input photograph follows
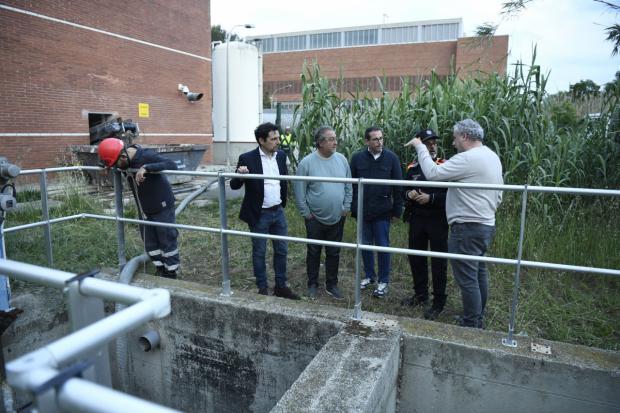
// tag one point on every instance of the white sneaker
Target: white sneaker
(365, 283)
(381, 291)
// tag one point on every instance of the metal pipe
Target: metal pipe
(78, 395)
(120, 227)
(515, 295)
(357, 309)
(46, 216)
(226, 291)
(436, 184)
(91, 338)
(42, 223)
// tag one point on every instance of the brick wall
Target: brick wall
(53, 74)
(385, 61)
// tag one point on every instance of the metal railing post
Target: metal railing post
(120, 226)
(510, 341)
(357, 309)
(84, 311)
(221, 182)
(46, 216)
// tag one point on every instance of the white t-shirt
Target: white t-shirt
(272, 186)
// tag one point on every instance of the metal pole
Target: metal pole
(510, 342)
(120, 226)
(46, 216)
(357, 309)
(226, 291)
(5, 287)
(227, 103)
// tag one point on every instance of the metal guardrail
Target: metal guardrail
(51, 373)
(358, 246)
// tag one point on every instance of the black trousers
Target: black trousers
(425, 230)
(317, 230)
(161, 242)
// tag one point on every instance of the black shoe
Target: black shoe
(461, 322)
(285, 292)
(159, 272)
(414, 301)
(169, 274)
(312, 292)
(432, 312)
(263, 291)
(334, 292)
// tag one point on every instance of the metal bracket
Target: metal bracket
(81, 276)
(509, 343)
(74, 370)
(541, 348)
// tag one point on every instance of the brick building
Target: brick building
(366, 54)
(65, 64)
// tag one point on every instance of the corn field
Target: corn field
(520, 120)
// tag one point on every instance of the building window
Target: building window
(360, 37)
(436, 32)
(325, 40)
(266, 45)
(407, 34)
(291, 43)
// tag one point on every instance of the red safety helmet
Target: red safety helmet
(110, 150)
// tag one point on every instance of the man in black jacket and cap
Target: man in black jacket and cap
(425, 210)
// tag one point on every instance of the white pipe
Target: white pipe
(78, 395)
(34, 273)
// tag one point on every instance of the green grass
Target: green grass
(576, 308)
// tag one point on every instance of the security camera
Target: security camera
(191, 96)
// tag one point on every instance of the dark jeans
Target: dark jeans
(377, 233)
(471, 276)
(317, 230)
(425, 230)
(161, 242)
(270, 222)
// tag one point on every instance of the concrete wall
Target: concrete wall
(225, 355)
(448, 368)
(250, 353)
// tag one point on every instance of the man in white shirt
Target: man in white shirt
(263, 206)
(470, 212)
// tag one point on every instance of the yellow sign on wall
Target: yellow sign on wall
(143, 110)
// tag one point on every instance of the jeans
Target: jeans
(317, 230)
(472, 276)
(377, 233)
(425, 230)
(270, 222)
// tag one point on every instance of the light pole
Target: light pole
(228, 34)
(276, 91)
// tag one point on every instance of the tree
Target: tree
(514, 7)
(613, 87)
(219, 35)
(584, 89)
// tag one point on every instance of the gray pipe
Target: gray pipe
(126, 276)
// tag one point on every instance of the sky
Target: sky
(569, 34)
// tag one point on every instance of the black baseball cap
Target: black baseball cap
(426, 134)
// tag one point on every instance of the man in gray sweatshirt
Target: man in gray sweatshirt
(324, 205)
(470, 212)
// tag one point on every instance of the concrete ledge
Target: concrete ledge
(356, 371)
(448, 367)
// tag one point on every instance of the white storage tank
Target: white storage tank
(245, 94)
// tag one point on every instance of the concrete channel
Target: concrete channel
(251, 353)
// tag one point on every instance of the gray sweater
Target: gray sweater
(326, 201)
(477, 165)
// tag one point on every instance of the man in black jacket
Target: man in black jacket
(263, 206)
(382, 204)
(154, 197)
(425, 211)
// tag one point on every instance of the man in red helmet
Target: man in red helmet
(154, 197)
